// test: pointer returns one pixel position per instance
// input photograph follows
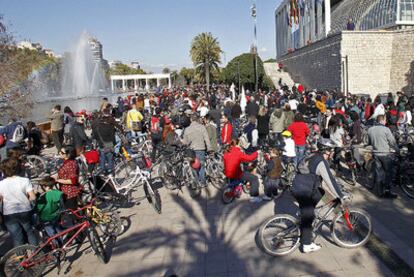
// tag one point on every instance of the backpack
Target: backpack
(136, 126)
(18, 134)
(244, 141)
(306, 182)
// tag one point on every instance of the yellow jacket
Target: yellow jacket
(133, 115)
(321, 106)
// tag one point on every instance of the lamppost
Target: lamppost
(253, 10)
(238, 74)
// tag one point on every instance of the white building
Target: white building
(29, 45)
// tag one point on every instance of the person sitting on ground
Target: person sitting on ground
(17, 196)
(49, 205)
(233, 157)
(34, 142)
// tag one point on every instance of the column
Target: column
(319, 18)
(135, 85)
(123, 85)
(312, 20)
(158, 82)
(146, 84)
(327, 17)
(301, 29)
(169, 82)
(112, 85)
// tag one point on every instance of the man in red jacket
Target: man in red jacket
(232, 170)
(300, 131)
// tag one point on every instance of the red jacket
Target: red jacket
(226, 133)
(232, 161)
(300, 131)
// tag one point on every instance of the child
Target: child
(289, 152)
(273, 172)
(49, 205)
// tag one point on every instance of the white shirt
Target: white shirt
(409, 117)
(14, 191)
(147, 103)
(289, 149)
(293, 103)
(379, 110)
(203, 111)
(255, 137)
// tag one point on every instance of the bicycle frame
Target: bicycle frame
(80, 227)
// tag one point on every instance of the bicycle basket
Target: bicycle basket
(91, 157)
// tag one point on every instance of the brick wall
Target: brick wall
(378, 62)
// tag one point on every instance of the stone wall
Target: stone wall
(378, 62)
(402, 73)
(317, 65)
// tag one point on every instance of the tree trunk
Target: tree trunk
(207, 75)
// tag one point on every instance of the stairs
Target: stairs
(272, 71)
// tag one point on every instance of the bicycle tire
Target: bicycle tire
(12, 268)
(407, 186)
(267, 240)
(113, 227)
(97, 245)
(192, 182)
(153, 197)
(369, 175)
(105, 201)
(226, 197)
(35, 166)
(362, 229)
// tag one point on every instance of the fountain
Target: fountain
(77, 76)
(81, 75)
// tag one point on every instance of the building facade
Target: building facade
(97, 53)
(312, 20)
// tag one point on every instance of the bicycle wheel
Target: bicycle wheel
(97, 245)
(35, 166)
(369, 178)
(227, 195)
(123, 171)
(353, 232)
(407, 186)
(105, 201)
(111, 225)
(153, 197)
(12, 259)
(192, 182)
(279, 235)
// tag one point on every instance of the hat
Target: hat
(286, 133)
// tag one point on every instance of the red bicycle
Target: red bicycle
(29, 260)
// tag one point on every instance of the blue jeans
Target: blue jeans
(18, 222)
(300, 153)
(201, 156)
(106, 161)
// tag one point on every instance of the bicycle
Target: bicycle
(30, 260)
(233, 190)
(350, 228)
(214, 169)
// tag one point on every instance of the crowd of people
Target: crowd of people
(290, 123)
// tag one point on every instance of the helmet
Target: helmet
(287, 134)
(326, 144)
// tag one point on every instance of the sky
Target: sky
(156, 33)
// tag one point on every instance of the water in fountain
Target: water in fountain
(82, 76)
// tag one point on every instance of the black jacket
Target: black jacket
(252, 109)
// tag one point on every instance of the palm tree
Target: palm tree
(205, 54)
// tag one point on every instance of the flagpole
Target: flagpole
(256, 75)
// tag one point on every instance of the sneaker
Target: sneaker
(267, 198)
(255, 199)
(307, 248)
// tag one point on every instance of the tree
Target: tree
(205, 54)
(187, 74)
(166, 70)
(245, 65)
(123, 69)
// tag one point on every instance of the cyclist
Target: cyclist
(233, 158)
(309, 194)
(383, 141)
